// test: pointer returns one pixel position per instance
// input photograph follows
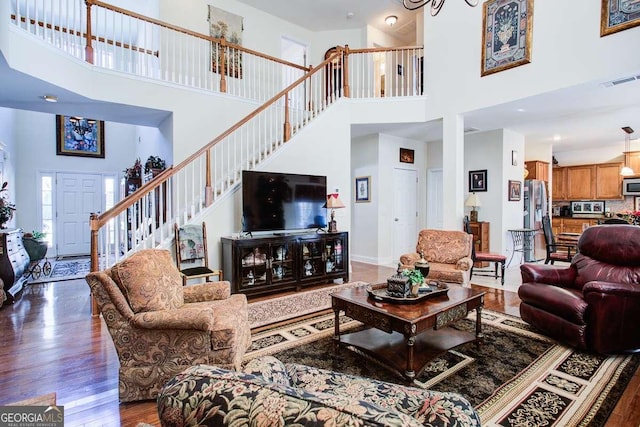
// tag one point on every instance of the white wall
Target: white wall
(364, 235)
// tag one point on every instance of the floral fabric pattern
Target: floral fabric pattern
(291, 394)
(448, 253)
(153, 346)
(150, 281)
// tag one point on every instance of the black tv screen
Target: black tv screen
(274, 201)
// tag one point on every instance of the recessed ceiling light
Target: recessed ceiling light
(556, 137)
(50, 98)
(350, 15)
(520, 110)
(390, 20)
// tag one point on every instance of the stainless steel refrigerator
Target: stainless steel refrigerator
(535, 199)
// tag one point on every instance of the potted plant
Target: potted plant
(155, 165)
(415, 279)
(134, 171)
(35, 245)
(6, 208)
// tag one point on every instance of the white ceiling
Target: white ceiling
(589, 116)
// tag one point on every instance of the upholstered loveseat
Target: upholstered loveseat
(448, 253)
(159, 328)
(270, 393)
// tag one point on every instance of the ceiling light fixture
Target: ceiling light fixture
(390, 20)
(50, 98)
(626, 170)
(436, 5)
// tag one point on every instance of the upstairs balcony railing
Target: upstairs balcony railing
(127, 42)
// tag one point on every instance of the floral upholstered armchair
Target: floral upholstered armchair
(159, 328)
(448, 253)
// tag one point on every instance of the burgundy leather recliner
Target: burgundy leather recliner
(594, 304)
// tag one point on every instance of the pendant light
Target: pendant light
(626, 170)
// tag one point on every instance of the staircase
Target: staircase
(292, 96)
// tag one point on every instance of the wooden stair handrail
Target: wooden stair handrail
(99, 220)
(193, 33)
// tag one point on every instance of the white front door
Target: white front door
(434, 199)
(405, 211)
(78, 196)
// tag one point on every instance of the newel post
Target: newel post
(208, 190)
(287, 124)
(222, 69)
(95, 264)
(88, 50)
(345, 71)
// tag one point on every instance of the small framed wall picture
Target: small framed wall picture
(477, 181)
(407, 155)
(514, 158)
(363, 190)
(515, 190)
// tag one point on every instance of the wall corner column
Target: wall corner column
(453, 171)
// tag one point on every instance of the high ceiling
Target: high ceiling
(589, 116)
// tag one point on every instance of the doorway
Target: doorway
(296, 53)
(405, 210)
(78, 195)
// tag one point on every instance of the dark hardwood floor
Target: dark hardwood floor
(49, 342)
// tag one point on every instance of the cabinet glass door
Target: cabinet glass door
(334, 254)
(281, 262)
(255, 265)
(312, 258)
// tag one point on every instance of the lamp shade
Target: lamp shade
(333, 201)
(473, 200)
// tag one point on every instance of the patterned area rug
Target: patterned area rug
(64, 270)
(295, 305)
(516, 378)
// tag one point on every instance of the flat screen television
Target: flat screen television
(273, 201)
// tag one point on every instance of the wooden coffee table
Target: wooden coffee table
(404, 337)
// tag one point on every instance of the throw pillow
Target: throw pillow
(150, 281)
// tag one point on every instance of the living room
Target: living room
(186, 130)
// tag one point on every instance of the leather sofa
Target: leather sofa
(594, 303)
(449, 253)
(271, 393)
(159, 328)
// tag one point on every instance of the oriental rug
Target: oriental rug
(516, 377)
(301, 303)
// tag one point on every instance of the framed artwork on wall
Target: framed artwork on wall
(477, 181)
(228, 26)
(79, 136)
(363, 189)
(515, 190)
(407, 155)
(507, 27)
(618, 15)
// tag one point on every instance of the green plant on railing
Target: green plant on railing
(154, 162)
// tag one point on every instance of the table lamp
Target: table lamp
(473, 201)
(333, 203)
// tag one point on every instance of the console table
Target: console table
(273, 263)
(14, 260)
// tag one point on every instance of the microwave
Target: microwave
(631, 186)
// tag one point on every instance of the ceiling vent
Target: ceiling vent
(621, 81)
(470, 129)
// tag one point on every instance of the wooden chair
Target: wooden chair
(493, 257)
(566, 252)
(191, 248)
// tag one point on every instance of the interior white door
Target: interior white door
(405, 211)
(296, 53)
(434, 199)
(77, 196)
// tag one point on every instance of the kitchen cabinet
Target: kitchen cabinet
(572, 225)
(587, 182)
(559, 185)
(480, 232)
(634, 161)
(581, 182)
(608, 181)
(537, 170)
(556, 225)
(276, 263)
